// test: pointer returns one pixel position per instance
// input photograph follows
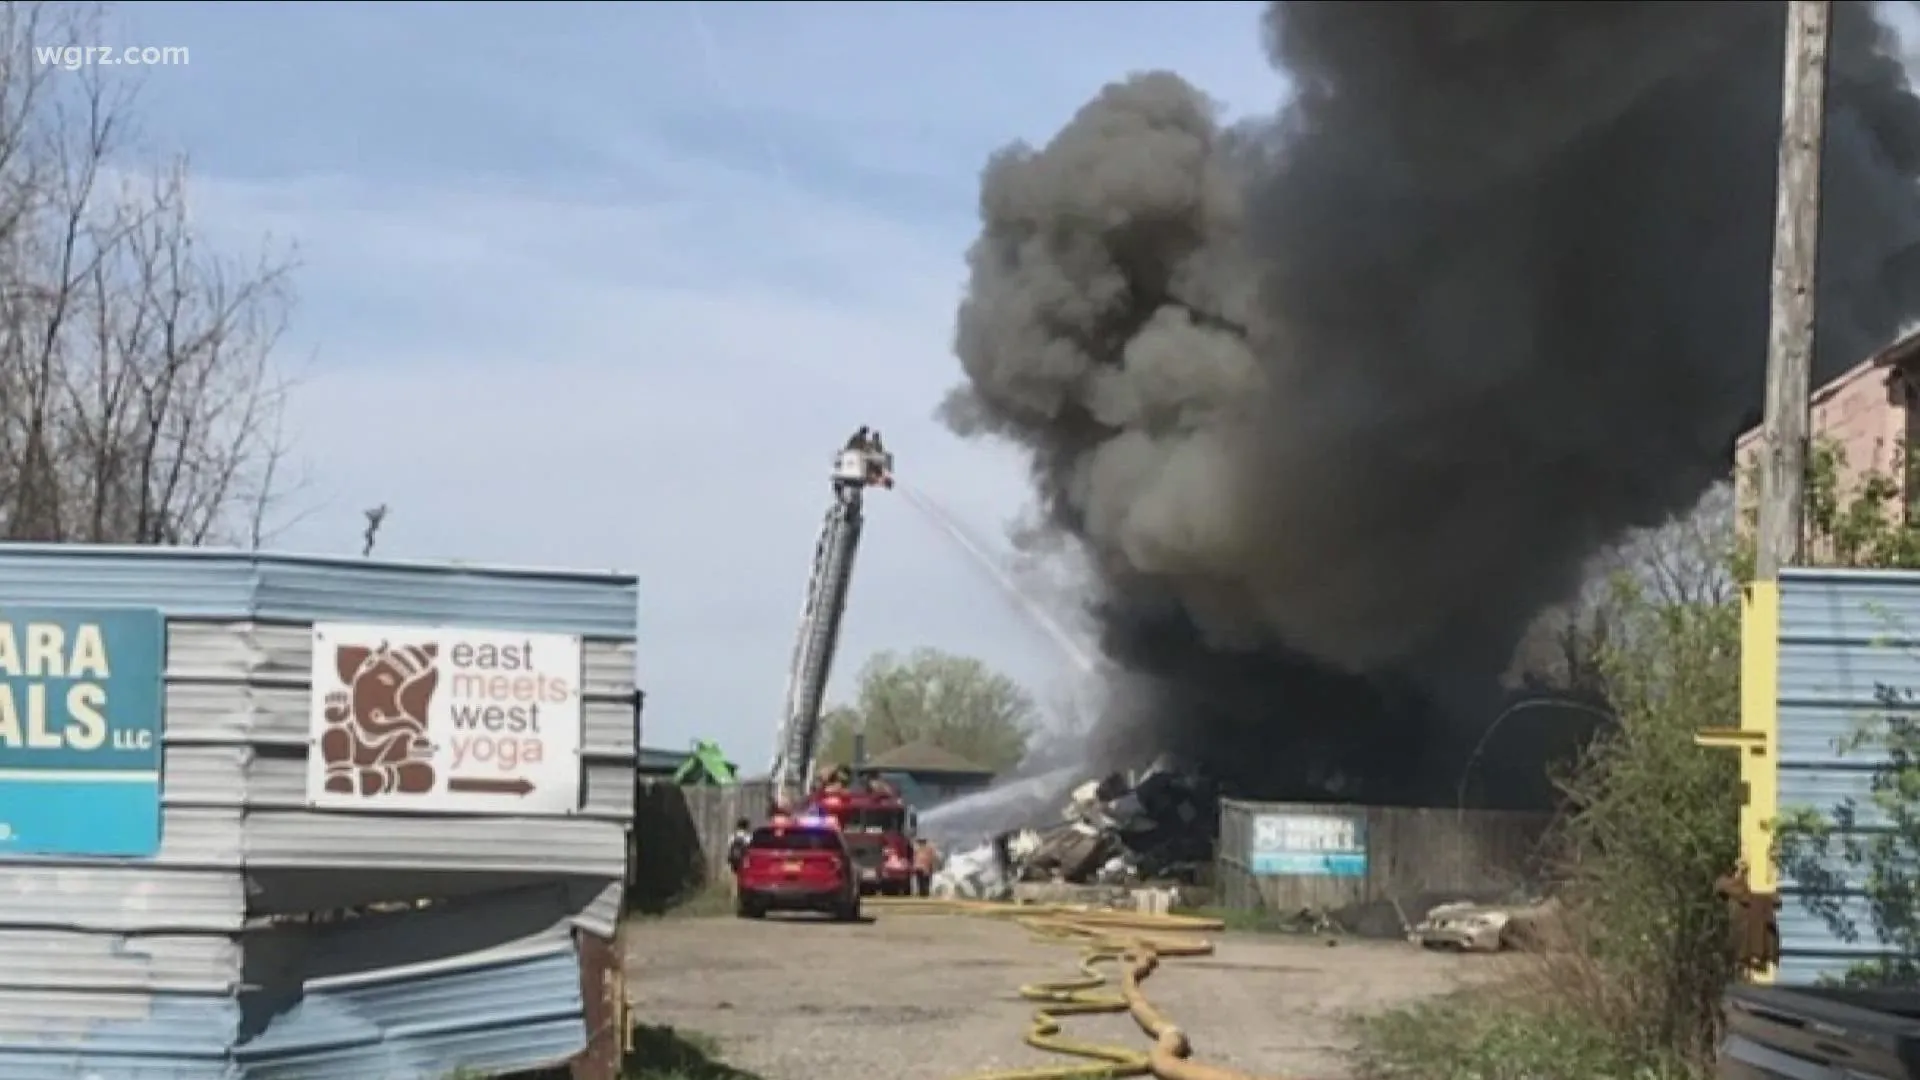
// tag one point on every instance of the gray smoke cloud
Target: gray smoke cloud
(1339, 399)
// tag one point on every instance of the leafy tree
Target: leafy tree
(1627, 984)
(1653, 824)
(1856, 516)
(954, 702)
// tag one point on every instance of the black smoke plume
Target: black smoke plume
(1339, 399)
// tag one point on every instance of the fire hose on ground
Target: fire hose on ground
(1135, 942)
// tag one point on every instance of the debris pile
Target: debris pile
(1464, 926)
(1157, 825)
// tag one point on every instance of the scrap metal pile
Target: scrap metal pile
(1464, 926)
(1156, 825)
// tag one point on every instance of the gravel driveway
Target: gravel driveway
(933, 997)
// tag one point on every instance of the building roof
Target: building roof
(921, 756)
(654, 759)
(1896, 359)
(1901, 353)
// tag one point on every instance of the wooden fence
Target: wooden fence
(1289, 856)
(680, 837)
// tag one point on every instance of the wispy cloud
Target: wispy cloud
(588, 286)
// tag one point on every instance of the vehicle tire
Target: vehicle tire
(848, 912)
(749, 908)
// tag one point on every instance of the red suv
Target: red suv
(796, 866)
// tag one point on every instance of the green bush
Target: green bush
(1653, 823)
(659, 1053)
(1629, 989)
(662, 1053)
(1482, 1036)
(1628, 985)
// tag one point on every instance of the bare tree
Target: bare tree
(138, 398)
(1686, 561)
(1689, 559)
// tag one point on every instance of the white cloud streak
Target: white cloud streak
(579, 382)
(551, 326)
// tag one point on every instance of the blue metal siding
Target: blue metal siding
(91, 1065)
(193, 584)
(133, 969)
(121, 899)
(47, 1036)
(1845, 637)
(41, 959)
(205, 776)
(488, 1014)
(491, 983)
(500, 1017)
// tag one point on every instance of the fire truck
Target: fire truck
(876, 823)
(878, 828)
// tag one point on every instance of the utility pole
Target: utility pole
(1796, 246)
(1754, 882)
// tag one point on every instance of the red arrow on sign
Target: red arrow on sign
(518, 785)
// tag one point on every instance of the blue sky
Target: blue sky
(603, 285)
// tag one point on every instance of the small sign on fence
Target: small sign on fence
(80, 708)
(438, 720)
(1322, 845)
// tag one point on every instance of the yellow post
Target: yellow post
(1757, 739)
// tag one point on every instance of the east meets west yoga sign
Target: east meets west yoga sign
(439, 720)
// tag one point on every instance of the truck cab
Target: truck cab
(878, 828)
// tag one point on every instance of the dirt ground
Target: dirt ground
(933, 997)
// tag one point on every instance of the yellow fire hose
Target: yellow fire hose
(1137, 942)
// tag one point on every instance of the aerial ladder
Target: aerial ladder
(863, 463)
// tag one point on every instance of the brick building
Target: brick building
(1872, 410)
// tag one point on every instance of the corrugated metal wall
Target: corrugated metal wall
(1845, 636)
(173, 969)
(1411, 855)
